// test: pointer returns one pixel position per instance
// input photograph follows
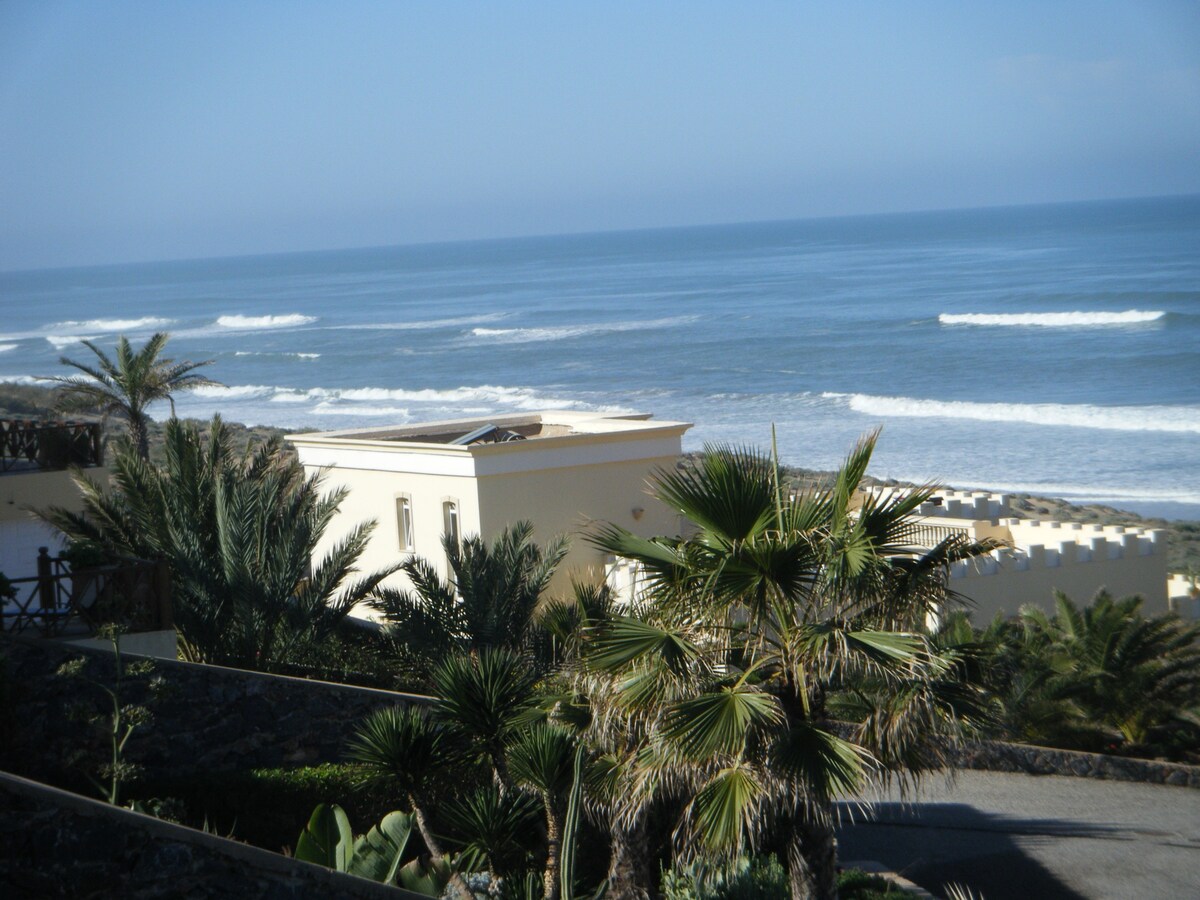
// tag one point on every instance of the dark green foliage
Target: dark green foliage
(763, 878)
(1102, 677)
(267, 807)
(489, 602)
(239, 530)
(127, 385)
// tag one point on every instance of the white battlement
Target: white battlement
(1039, 556)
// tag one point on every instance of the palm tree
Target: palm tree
(239, 531)
(777, 606)
(1122, 671)
(542, 760)
(126, 386)
(490, 600)
(406, 750)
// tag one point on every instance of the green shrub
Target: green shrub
(764, 878)
(268, 807)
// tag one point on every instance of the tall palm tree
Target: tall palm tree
(127, 385)
(777, 606)
(239, 530)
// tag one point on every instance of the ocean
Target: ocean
(1045, 349)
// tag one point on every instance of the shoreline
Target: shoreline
(1183, 534)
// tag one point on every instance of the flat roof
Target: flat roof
(531, 426)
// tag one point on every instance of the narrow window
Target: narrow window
(450, 521)
(404, 522)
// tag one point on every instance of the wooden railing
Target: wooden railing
(132, 593)
(28, 444)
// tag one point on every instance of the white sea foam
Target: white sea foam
(58, 341)
(4, 348)
(329, 409)
(1053, 320)
(143, 324)
(422, 325)
(1113, 418)
(234, 391)
(268, 353)
(347, 400)
(563, 332)
(34, 380)
(253, 322)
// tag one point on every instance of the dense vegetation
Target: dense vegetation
(780, 659)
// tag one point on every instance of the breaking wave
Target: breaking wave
(4, 348)
(1053, 320)
(143, 324)
(349, 401)
(563, 332)
(1113, 418)
(288, 321)
(422, 325)
(58, 341)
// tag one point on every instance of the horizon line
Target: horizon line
(594, 232)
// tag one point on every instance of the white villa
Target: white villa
(559, 470)
(565, 470)
(1041, 556)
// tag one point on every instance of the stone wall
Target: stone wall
(998, 756)
(205, 718)
(54, 844)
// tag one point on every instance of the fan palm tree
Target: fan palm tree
(127, 385)
(778, 605)
(239, 531)
(490, 600)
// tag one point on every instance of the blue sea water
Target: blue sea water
(1049, 349)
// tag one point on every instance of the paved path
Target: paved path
(1020, 836)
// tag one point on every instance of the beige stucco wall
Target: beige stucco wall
(567, 500)
(1006, 589)
(21, 532)
(19, 490)
(373, 495)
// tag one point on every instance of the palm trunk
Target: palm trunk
(812, 860)
(139, 433)
(629, 864)
(435, 850)
(550, 885)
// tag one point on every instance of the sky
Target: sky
(139, 131)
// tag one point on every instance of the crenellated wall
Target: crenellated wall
(1042, 556)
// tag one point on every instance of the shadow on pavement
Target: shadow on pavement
(934, 844)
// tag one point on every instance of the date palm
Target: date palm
(490, 600)
(239, 530)
(128, 384)
(780, 610)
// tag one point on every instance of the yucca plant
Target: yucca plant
(407, 752)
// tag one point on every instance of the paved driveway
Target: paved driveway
(1020, 836)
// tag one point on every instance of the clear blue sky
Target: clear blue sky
(133, 131)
